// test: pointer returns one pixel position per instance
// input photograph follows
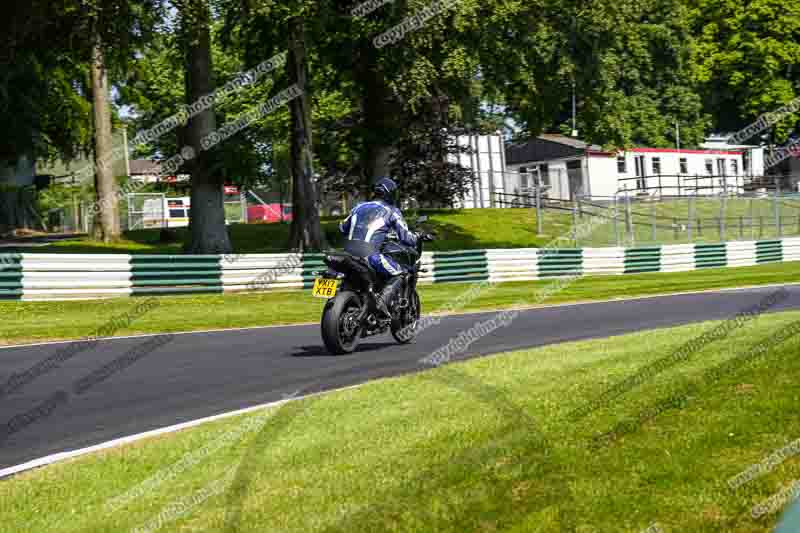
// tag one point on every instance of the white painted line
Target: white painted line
(464, 313)
(61, 456)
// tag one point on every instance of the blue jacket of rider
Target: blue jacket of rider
(372, 221)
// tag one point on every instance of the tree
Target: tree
(208, 233)
(305, 232)
(629, 61)
(746, 60)
(42, 98)
(424, 165)
(115, 29)
(42, 104)
(49, 48)
(106, 227)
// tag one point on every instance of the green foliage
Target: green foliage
(629, 62)
(45, 51)
(424, 167)
(747, 59)
(42, 111)
(640, 67)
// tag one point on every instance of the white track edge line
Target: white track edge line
(70, 454)
(465, 313)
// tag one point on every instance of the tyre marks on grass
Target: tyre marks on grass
(512, 474)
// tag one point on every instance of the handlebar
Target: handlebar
(422, 235)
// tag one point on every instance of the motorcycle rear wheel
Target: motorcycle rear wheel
(341, 331)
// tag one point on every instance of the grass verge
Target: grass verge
(482, 445)
(457, 229)
(465, 229)
(40, 321)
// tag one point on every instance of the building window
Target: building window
(721, 167)
(684, 165)
(544, 170)
(523, 177)
(657, 166)
(622, 165)
(746, 162)
(734, 167)
(710, 167)
(641, 182)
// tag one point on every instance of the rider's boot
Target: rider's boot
(384, 298)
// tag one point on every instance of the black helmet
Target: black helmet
(387, 189)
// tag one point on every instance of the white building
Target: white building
(560, 163)
(488, 166)
(788, 170)
(570, 168)
(148, 171)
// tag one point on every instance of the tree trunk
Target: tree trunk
(106, 225)
(207, 231)
(377, 160)
(383, 120)
(305, 233)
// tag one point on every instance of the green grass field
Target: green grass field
(483, 445)
(463, 229)
(457, 230)
(38, 321)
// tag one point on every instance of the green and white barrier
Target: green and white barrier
(72, 276)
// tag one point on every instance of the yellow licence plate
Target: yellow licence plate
(325, 288)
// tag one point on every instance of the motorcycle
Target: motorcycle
(351, 287)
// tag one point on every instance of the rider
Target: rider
(370, 222)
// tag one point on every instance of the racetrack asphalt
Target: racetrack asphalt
(197, 375)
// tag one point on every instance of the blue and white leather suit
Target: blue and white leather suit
(371, 222)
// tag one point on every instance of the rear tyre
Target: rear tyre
(405, 325)
(341, 331)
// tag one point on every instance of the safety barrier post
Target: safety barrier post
(539, 203)
(653, 217)
(777, 205)
(575, 222)
(629, 219)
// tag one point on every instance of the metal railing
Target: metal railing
(631, 220)
(701, 185)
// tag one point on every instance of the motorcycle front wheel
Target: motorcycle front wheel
(404, 326)
(341, 331)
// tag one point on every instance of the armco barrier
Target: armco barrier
(69, 276)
